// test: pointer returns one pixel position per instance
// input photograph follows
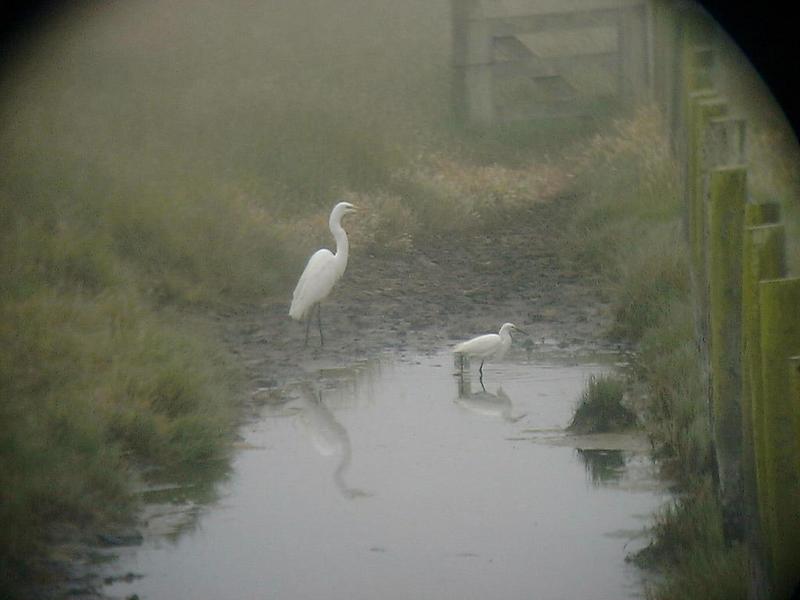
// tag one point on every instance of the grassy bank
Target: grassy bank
(627, 227)
(158, 162)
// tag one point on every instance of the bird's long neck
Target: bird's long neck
(342, 245)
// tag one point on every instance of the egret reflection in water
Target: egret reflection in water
(483, 402)
(329, 438)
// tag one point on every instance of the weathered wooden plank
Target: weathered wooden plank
(762, 258)
(510, 48)
(780, 339)
(537, 66)
(725, 142)
(725, 215)
(527, 7)
(562, 21)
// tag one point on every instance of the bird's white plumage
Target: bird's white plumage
(323, 269)
(316, 282)
(488, 346)
(483, 346)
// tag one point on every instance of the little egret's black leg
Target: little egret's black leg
(319, 322)
(480, 370)
(308, 326)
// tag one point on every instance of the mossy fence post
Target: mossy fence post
(747, 315)
(762, 259)
(779, 300)
(726, 202)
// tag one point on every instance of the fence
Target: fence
(542, 59)
(748, 317)
(747, 308)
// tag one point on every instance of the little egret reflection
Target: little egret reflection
(484, 402)
(492, 346)
(322, 271)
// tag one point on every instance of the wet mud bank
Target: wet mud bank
(443, 290)
(403, 310)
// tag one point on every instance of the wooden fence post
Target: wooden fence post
(794, 377)
(780, 338)
(472, 62)
(725, 141)
(704, 108)
(727, 197)
(762, 258)
(762, 213)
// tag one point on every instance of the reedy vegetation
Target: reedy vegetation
(161, 160)
(627, 227)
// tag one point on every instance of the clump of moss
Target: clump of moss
(600, 408)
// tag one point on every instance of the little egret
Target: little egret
(491, 346)
(322, 271)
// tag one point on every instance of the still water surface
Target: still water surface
(394, 479)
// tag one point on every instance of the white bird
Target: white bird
(322, 271)
(492, 346)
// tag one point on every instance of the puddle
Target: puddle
(395, 479)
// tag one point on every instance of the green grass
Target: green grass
(627, 227)
(601, 408)
(162, 157)
(158, 161)
(690, 550)
(93, 385)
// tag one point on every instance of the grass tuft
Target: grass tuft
(601, 408)
(689, 547)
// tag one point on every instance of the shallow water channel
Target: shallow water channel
(396, 479)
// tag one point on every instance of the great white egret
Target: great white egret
(322, 271)
(491, 346)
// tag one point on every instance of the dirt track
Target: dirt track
(430, 298)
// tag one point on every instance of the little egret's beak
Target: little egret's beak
(520, 330)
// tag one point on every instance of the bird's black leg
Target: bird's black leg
(480, 369)
(319, 322)
(308, 326)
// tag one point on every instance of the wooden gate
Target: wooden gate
(544, 59)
